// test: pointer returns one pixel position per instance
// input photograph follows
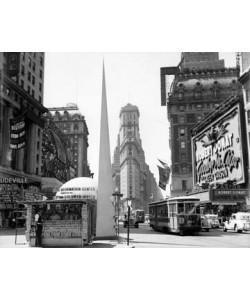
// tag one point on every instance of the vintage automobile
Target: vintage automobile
(238, 222)
(205, 223)
(213, 220)
(132, 223)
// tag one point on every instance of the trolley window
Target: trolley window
(172, 209)
(180, 208)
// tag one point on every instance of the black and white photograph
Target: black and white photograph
(124, 150)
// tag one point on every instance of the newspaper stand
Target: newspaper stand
(69, 220)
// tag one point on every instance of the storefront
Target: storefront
(70, 219)
(15, 191)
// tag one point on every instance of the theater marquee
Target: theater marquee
(217, 151)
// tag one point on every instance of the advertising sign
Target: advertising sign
(17, 132)
(217, 151)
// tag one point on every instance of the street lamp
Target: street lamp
(129, 204)
(117, 194)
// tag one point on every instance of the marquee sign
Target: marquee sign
(217, 151)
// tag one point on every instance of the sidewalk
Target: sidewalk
(8, 239)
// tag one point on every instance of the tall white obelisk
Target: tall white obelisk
(105, 210)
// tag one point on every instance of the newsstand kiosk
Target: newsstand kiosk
(69, 220)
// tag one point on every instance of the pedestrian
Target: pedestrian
(39, 228)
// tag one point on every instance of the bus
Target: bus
(178, 214)
(139, 215)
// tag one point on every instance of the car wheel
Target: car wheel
(207, 229)
(224, 228)
(236, 228)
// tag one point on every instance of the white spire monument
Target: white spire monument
(105, 211)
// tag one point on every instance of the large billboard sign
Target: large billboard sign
(217, 151)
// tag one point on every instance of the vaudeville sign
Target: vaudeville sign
(218, 151)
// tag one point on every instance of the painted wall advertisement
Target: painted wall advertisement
(217, 151)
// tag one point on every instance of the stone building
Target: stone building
(72, 124)
(131, 174)
(21, 125)
(200, 84)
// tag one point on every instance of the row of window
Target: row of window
(182, 120)
(25, 54)
(197, 107)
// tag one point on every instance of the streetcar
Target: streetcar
(178, 214)
(139, 215)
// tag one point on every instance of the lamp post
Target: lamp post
(117, 194)
(129, 203)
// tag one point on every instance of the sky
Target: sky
(132, 77)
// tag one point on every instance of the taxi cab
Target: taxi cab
(238, 222)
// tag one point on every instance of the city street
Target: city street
(145, 237)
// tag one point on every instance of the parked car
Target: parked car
(213, 220)
(238, 222)
(205, 223)
(132, 223)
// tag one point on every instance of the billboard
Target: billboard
(217, 151)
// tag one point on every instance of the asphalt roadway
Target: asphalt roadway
(145, 237)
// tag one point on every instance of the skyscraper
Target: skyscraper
(130, 171)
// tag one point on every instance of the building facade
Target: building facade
(245, 81)
(131, 174)
(21, 125)
(72, 124)
(200, 83)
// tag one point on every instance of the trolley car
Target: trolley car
(178, 214)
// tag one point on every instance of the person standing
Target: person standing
(39, 228)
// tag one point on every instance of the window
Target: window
(216, 93)
(248, 116)
(183, 145)
(181, 95)
(28, 90)
(33, 79)
(247, 95)
(198, 94)
(41, 61)
(22, 69)
(182, 131)
(38, 145)
(184, 186)
(40, 99)
(34, 66)
(33, 93)
(199, 118)
(181, 107)
(40, 86)
(182, 119)
(29, 76)
(29, 62)
(41, 74)
(199, 107)
(183, 157)
(23, 55)
(184, 170)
